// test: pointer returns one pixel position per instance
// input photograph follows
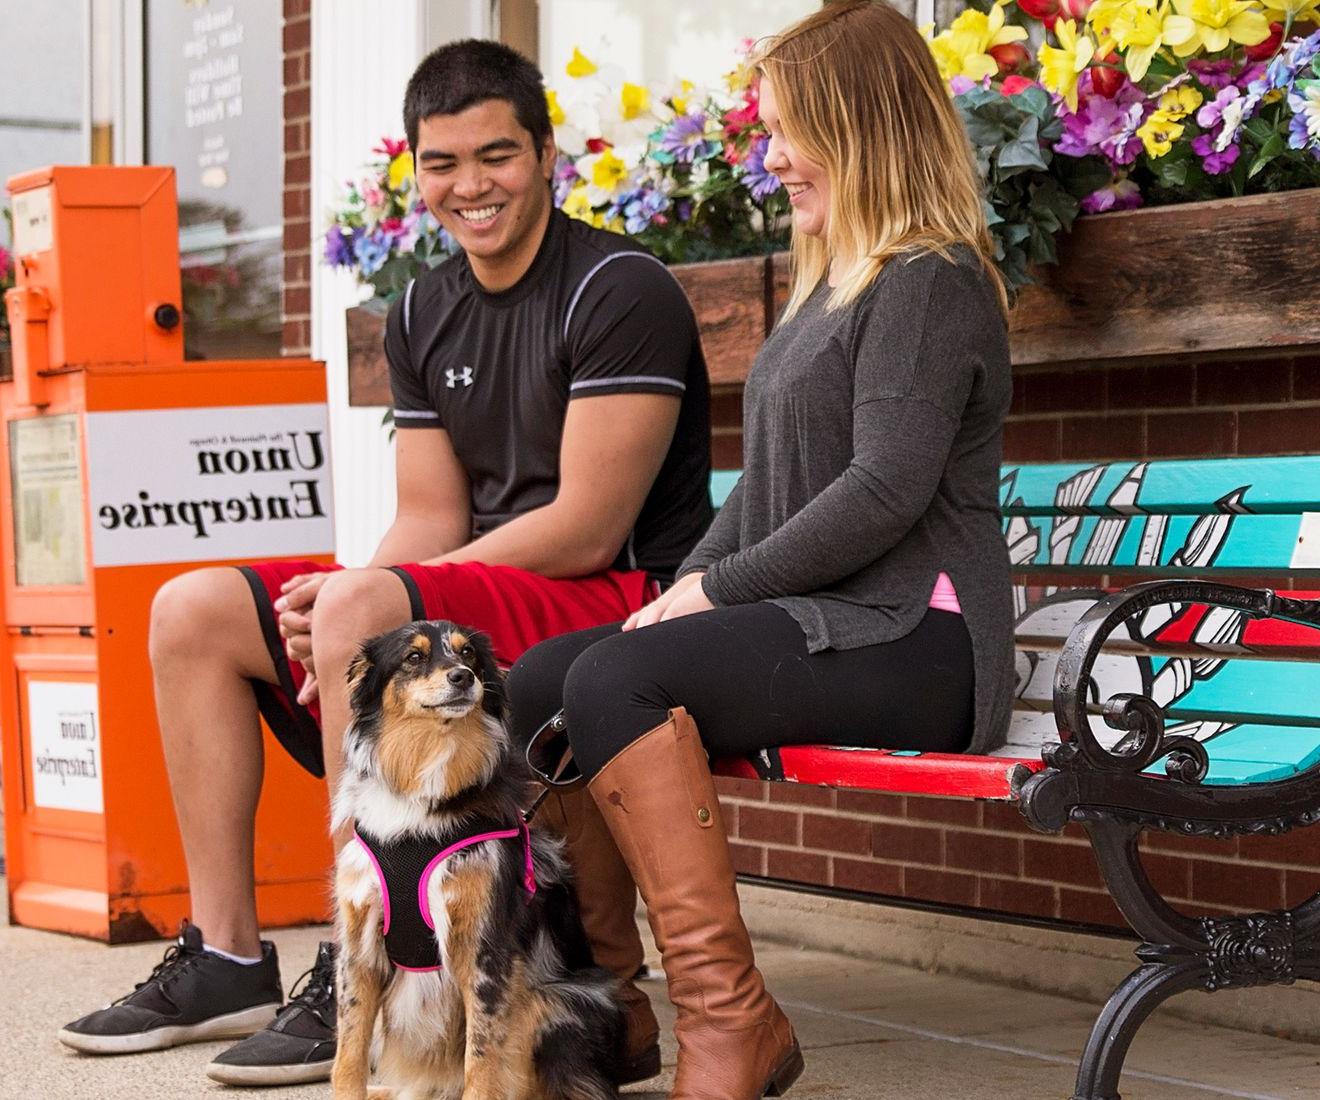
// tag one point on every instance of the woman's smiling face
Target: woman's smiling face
(807, 183)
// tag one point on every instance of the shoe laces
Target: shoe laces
(177, 959)
(319, 990)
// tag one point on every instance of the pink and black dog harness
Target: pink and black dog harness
(404, 868)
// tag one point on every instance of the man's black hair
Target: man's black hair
(463, 74)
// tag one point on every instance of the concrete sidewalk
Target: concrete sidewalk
(870, 1030)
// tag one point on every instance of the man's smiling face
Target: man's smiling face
(485, 179)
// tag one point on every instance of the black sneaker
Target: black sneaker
(299, 1046)
(191, 996)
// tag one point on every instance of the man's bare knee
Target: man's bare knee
(207, 614)
(352, 606)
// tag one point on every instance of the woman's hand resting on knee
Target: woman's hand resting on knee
(686, 597)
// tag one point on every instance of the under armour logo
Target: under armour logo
(453, 377)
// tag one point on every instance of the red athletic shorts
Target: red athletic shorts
(515, 608)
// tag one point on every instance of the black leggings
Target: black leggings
(744, 675)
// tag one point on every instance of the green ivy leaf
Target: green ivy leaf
(1272, 148)
(1024, 153)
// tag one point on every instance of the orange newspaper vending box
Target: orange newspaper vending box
(125, 466)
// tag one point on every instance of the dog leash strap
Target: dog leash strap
(529, 870)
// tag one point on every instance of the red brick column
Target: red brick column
(982, 855)
(296, 289)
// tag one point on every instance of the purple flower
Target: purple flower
(1104, 126)
(1122, 194)
(1215, 161)
(371, 250)
(641, 208)
(1211, 113)
(760, 182)
(1212, 74)
(686, 139)
(1250, 74)
(339, 246)
(1125, 146)
(1304, 126)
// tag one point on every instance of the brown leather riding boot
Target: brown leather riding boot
(658, 799)
(607, 898)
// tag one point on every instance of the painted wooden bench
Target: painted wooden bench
(1186, 701)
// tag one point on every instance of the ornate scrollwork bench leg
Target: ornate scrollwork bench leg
(1104, 789)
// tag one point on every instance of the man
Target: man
(552, 460)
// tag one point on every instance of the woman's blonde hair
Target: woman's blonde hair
(858, 93)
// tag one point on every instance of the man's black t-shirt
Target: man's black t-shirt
(593, 315)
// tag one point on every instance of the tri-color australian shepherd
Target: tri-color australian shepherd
(457, 928)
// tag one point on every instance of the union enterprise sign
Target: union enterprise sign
(181, 485)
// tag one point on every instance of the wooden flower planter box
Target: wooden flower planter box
(1194, 280)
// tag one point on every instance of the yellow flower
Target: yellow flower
(634, 100)
(577, 205)
(557, 116)
(1295, 11)
(580, 65)
(680, 101)
(1060, 66)
(608, 171)
(964, 49)
(1159, 132)
(1181, 101)
(1141, 27)
(1216, 23)
(401, 170)
(1101, 17)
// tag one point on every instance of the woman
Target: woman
(855, 587)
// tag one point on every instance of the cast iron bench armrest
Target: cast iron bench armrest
(1082, 773)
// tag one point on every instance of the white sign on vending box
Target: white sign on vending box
(180, 485)
(64, 739)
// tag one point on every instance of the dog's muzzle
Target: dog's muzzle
(550, 756)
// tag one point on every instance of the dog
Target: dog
(456, 926)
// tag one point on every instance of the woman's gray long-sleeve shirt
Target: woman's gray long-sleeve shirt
(871, 449)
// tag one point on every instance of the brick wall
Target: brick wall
(296, 290)
(982, 855)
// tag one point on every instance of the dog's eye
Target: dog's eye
(468, 652)
(414, 658)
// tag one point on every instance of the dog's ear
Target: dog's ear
(367, 676)
(492, 679)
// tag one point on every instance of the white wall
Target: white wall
(659, 42)
(360, 65)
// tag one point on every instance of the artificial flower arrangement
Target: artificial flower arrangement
(680, 169)
(1172, 101)
(1072, 106)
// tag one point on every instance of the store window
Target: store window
(658, 44)
(214, 110)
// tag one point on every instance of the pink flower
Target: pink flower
(6, 262)
(746, 116)
(1014, 84)
(391, 147)
(1122, 194)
